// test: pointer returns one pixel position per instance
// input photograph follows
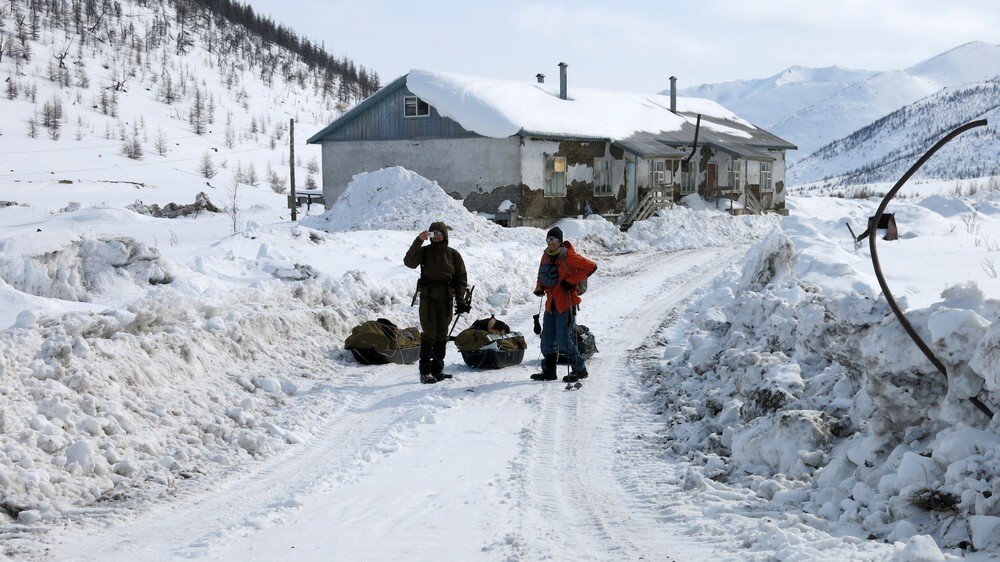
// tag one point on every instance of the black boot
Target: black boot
(426, 352)
(548, 368)
(576, 375)
(437, 364)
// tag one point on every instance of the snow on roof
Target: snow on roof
(501, 108)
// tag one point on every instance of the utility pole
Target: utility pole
(291, 166)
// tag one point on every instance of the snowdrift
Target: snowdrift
(815, 396)
(396, 199)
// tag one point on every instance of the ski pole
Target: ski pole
(468, 302)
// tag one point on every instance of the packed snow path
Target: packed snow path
(489, 465)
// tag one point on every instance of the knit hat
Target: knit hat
(555, 232)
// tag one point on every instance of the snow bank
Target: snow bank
(815, 396)
(682, 228)
(83, 268)
(395, 199)
(597, 234)
(99, 407)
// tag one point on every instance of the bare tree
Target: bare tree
(196, 115)
(131, 146)
(233, 207)
(206, 167)
(230, 133)
(251, 176)
(11, 88)
(161, 142)
(276, 182)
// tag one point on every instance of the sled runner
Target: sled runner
(377, 342)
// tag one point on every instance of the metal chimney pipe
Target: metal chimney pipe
(673, 94)
(540, 77)
(562, 80)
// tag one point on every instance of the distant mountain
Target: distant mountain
(768, 101)
(812, 107)
(885, 149)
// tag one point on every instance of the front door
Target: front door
(711, 181)
(630, 188)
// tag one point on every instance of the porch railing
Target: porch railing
(656, 199)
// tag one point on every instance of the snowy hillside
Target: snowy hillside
(165, 95)
(815, 107)
(767, 101)
(884, 150)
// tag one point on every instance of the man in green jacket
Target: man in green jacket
(443, 281)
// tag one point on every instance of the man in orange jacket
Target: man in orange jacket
(560, 270)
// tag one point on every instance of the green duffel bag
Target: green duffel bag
(484, 350)
(380, 341)
(586, 344)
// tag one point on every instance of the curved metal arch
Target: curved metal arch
(878, 268)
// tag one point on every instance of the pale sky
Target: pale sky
(636, 45)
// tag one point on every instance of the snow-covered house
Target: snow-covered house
(530, 153)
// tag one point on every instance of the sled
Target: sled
(377, 342)
(483, 350)
(400, 356)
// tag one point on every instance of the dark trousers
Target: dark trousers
(435, 320)
(558, 330)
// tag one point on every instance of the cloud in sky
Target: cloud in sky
(636, 45)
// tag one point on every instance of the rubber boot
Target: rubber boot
(437, 364)
(548, 368)
(426, 351)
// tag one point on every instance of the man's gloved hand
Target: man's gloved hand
(566, 286)
(462, 308)
(539, 291)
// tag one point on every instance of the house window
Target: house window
(555, 176)
(765, 177)
(602, 176)
(661, 172)
(415, 107)
(735, 180)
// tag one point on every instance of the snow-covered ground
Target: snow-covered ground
(173, 389)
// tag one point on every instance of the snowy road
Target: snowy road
(488, 466)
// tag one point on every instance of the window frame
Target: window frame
(416, 108)
(551, 186)
(734, 173)
(602, 185)
(766, 176)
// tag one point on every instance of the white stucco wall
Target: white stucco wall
(462, 165)
(533, 165)
(533, 161)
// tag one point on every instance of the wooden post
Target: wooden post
(291, 167)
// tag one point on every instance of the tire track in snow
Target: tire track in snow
(203, 512)
(578, 436)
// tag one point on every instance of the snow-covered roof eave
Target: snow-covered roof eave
(561, 136)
